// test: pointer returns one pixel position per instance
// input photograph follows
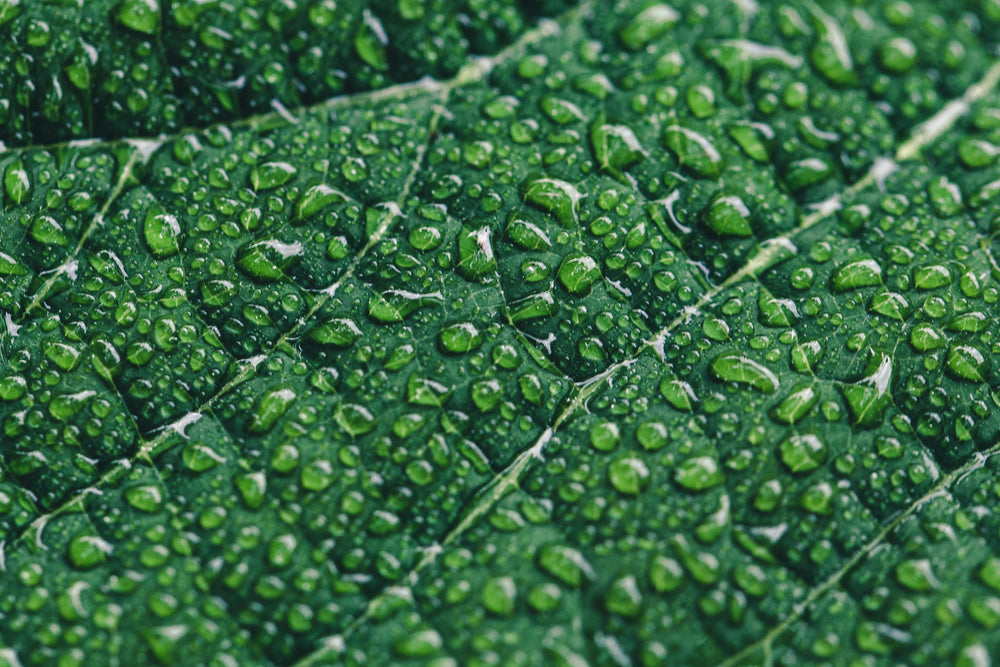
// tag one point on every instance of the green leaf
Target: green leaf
(499, 332)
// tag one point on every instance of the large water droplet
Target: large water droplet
(271, 175)
(355, 419)
(868, 398)
(647, 26)
(475, 254)
(11, 267)
(699, 473)
(340, 332)
(396, 305)
(694, 151)
(268, 261)
(735, 367)
(371, 40)
(566, 564)
(578, 273)
(796, 405)
(615, 146)
(272, 405)
(802, 452)
(856, 274)
(967, 362)
(554, 196)
(727, 215)
(140, 15)
(162, 232)
(316, 198)
(17, 183)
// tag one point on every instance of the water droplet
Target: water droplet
(11, 267)
(268, 260)
(553, 196)
(967, 362)
(806, 355)
(917, 574)
(699, 473)
(734, 367)
(355, 419)
(477, 153)
(727, 215)
(623, 597)
(316, 198)
(146, 497)
(796, 405)
(199, 457)
(270, 175)
(856, 274)
(561, 111)
(578, 273)
(665, 574)
(526, 234)
(679, 394)
(533, 306)
(629, 475)
(989, 573)
(370, 41)
(647, 26)
(932, 277)
(252, 487)
(12, 387)
(754, 139)
(605, 436)
(868, 398)
(460, 338)
(925, 337)
(218, 292)
(615, 146)
(504, 106)
(898, 55)
(63, 355)
(87, 551)
(486, 394)
(566, 564)
(140, 15)
(694, 151)
(805, 173)
(891, 304)
(47, 230)
(803, 452)
(977, 153)
(162, 232)
(701, 101)
(396, 305)
(475, 254)
(17, 183)
(65, 406)
(500, 596)
(340, 332)
(830, 55)
(425, 391)
(274, 403)
(418, 644)
(945, 196)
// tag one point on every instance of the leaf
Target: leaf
(436, 333)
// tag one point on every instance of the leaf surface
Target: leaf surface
(642, 334)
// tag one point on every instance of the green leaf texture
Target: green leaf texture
(482, 332)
